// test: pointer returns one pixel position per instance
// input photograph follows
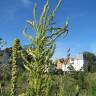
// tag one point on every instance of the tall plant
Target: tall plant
(42, 49)
(14, 66)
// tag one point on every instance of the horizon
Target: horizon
(81, 14)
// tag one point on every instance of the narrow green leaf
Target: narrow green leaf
(34, 12)
(27, 68)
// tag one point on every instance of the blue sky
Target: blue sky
(82, 23)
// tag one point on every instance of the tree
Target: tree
(42, 49)
(2, 43)
(91, 60)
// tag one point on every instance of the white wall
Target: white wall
(64, 67)
(78, 64)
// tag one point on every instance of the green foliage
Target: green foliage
(55, 84)
(42, 49)
(2, 42)
(5, 77)
(36, 80)
(91, 79)
(91, 61)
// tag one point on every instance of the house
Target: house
(77, 63)
(63, 64)
(59, 63)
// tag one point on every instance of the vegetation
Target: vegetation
(91, 61)
(2, 43)
(14, 66)
(41, 51)
(35, 78)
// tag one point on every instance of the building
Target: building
(77, 63)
